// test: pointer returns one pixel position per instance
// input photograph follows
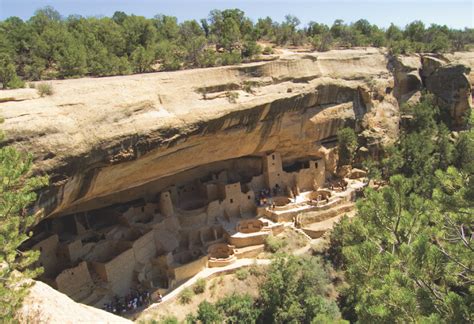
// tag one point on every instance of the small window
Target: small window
(273, 156)
(231, 201)
(316, 164)
(72, 273)
(249, 197)
(41, 249)
(278, 174)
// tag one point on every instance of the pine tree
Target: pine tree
(17, 192)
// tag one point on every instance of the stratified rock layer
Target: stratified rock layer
(103, 140)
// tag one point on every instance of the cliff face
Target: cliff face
(105, 140)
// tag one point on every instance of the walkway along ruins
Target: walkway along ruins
(158, 242)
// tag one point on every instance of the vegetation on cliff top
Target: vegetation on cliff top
(49, 46)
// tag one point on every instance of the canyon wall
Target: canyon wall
(109, 140)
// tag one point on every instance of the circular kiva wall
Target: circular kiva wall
(220, 251)
(249, 226)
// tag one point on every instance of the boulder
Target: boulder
(452, 89)
(44, 304)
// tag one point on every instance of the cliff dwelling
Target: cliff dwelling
(167, 236)
(155, 183)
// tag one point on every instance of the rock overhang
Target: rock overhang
(99, 136)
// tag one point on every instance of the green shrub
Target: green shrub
(186, 296)
(254, 270)
(267, 50)
(45, 89)
(274, 244)
(229, 58)
(250, 49)
(208, 313)
(206, 58)
(200, 286)
(169, 320)
(248, 86)
(242, 274)
(238, 309)
(232, 96)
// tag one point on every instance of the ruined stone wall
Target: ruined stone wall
(188, 270)
(119, 272)
(71, 281)
(248, 240)
(48, 257)
(73, 250)
(144, 248)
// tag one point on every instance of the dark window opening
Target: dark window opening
(231, 200)
(249, 197)
(273, 156)
(296, 166)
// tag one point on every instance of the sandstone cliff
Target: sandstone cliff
(104, 140)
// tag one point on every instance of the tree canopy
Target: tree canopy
(48, 45)
(407, 256)
(295, 290)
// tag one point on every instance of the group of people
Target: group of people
(130, 302)
(342, 185)
(264, 196)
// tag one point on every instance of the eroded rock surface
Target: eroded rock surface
(102, 140)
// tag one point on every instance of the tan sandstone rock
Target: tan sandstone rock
(47, 305)
(108, 140)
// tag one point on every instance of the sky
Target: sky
(454, 13)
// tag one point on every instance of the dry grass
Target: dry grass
(218, 288)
